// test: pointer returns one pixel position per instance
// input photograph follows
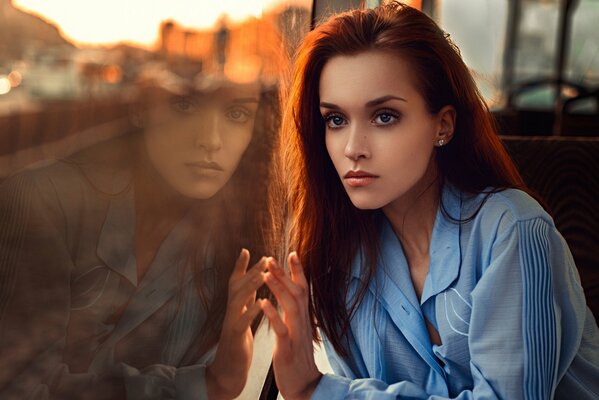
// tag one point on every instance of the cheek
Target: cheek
(173, 134)
(235, 144)
(403, 156)
(159, 147)
(335, 147)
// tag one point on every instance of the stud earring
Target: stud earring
(440, 142)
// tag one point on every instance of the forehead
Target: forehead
(247, 93)
(364, 76)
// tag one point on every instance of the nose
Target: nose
(208, 133)
(357, 144)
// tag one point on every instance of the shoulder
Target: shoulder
(91, 169)
(57, 188)
(43, 180)
(517, 204)
(509, 227)
(38, 180)
(498, 212)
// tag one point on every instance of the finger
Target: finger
(283, 349)
(251, 299)
(246, 319)
(286, 300)
(243, 291)
(299, 292)
(249, 281)
(274, 318)
(297, 270)
(241, 263)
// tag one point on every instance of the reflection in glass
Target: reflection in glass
(132, 176)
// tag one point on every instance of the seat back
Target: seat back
(564, 172)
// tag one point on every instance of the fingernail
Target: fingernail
(294, 258)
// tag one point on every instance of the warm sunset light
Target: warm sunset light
(136, 21)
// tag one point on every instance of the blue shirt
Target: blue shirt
(504, 294)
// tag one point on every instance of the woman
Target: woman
(116, 261)
(431, 272)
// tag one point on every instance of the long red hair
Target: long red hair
(326, 229)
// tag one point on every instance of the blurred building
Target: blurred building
(18, 30)
(243, 50)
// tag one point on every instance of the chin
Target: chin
(362, 202)
(201, 194)
(198, 192)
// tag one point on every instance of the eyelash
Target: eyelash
(184, 105)
(328, 117)
(187, 106)
(392, 113)
(246, 114)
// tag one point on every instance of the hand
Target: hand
(227, 375)
(293, 360)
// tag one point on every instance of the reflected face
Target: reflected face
(195, 142)
(379, 133)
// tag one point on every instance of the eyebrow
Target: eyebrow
(384, 99)
(246, 100)
(329, 105)
(371, 103)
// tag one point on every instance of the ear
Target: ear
(446, 125)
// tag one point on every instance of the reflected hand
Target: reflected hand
(293, 360)
(227, 375)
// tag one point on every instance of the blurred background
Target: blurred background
(67, 67)
(69, 70)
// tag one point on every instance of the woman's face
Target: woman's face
(379, 133)
(195, 142)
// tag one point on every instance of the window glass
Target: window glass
(536, 44)
(478, 28)
(583, 61)
(136, 144)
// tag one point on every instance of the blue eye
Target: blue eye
(334, 121)
(238, 114)
(385, 118)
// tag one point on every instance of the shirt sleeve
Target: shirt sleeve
(35, 268)
(164, 382)
(35, 275)
(528, 311)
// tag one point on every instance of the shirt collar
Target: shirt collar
(445, 254)
(116, 244)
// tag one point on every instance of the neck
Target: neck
(158, 209)
(157, 204)
(413, 215)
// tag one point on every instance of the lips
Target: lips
(209, 165)
(205, 169)
(359, 178)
